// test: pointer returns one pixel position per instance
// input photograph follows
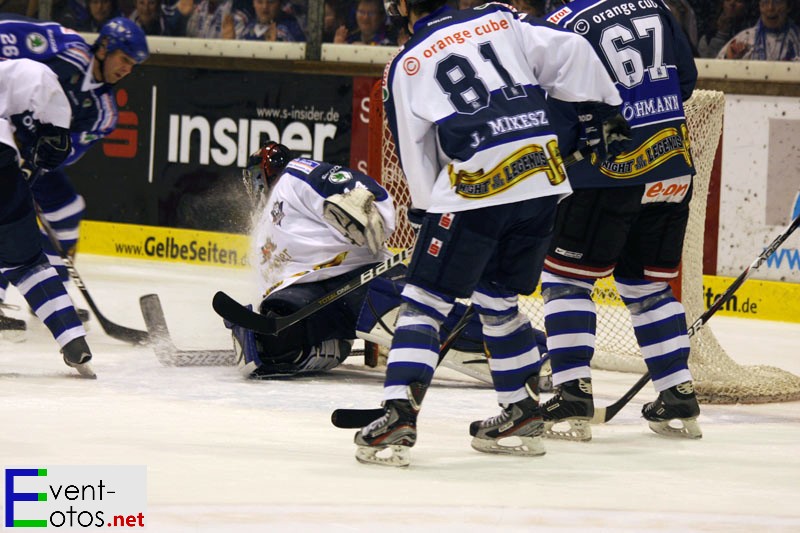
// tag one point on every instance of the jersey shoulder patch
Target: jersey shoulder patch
(559, 15)
(300, 164)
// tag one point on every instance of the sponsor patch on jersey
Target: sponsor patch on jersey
(569, 253)
(36, 43)
(446, 220)
(411, 65)
(277, 213)
(340, 177)
(435, 247)
(581, 27)
(671, 191)
(303, 165)
(560, 14)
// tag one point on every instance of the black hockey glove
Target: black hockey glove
(607, 131)
(52, 147)
(415, 218)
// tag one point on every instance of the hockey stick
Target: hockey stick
(233, 311)
(604, 414)
(116, 331)
(356, 418)
(161, 341)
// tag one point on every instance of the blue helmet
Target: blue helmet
(123, 34)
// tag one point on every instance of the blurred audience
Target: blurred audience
(334, 20)
(155, 18)
(684, 13)
(212, 19)
(271, 23)
(774, 37)
(100, 12)
(370, 28)
(731, 17)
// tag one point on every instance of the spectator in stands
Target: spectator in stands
(272, 24)
(100, 12)
(61, 11)
(532, 8)
(732, 17)
(212, 19)
(467, 4)
(155, 18)
(371, 26)
(334, 21)
(774, 38)
(684, 13)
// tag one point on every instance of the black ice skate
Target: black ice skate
(573, 404)
(395, 431)
(11, 329)
(78, 356)
(677, 404)
(517, 430)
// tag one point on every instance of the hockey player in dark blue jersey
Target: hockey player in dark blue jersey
(31, 89)
(627, 216)
(465, 104)
(87, 74)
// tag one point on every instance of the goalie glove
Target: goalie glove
(355, 216)
(607, 131)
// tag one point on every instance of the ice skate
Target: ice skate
(674, 413)
(517, 430)
(78, 356)
(572, 404)
(395, 431)
(12, 329)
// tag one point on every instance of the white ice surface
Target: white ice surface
(224, 454)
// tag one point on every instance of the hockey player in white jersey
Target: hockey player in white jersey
(320, 225)
(27, 87)
(465, 104)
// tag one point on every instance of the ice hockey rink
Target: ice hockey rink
(224, 454)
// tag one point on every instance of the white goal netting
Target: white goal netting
(718, 379)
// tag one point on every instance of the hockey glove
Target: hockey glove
(52, 147)
(606, 130)
(354, 215)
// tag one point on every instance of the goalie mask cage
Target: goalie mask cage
(718, 379)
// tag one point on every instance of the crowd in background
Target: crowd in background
(725, 29)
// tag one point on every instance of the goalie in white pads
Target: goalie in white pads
(319, 226)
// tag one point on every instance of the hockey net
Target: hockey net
(718, 379)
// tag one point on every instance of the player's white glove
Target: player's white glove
(355, 216)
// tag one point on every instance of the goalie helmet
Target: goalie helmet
(123, 34)
(266, 164)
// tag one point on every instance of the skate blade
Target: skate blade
(14, 335)
(513, 445)
(579, 430)
(686, 428)
(394, 455)
(84, 369)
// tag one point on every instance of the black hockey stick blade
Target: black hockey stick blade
(166, 351)
(604, 414)
(233, 311)
(354, 418)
